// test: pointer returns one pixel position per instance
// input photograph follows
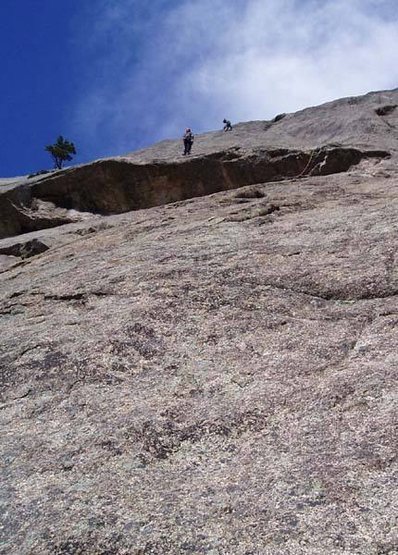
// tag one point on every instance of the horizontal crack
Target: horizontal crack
(77, 296)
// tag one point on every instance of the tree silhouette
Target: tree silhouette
(61, 151)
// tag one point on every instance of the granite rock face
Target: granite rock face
(215, 375)
(319, 141)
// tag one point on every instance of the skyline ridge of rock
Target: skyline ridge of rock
(333, 136)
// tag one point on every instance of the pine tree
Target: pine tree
(61, 151)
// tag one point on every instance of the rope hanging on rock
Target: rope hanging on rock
(315, 151)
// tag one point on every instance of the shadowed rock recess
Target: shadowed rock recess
(199, 356)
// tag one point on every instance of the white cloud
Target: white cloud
(196, 62)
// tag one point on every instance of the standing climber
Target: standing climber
(227, 125)
(188, 141)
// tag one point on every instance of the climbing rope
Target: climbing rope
(313, 153)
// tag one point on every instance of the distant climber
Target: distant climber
(227, 125)
(188, 139)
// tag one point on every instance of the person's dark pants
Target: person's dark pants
(187, 146)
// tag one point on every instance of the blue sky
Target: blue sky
(116, 75)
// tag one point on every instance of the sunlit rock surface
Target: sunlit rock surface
(215, 375)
